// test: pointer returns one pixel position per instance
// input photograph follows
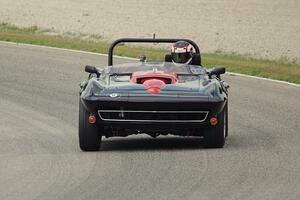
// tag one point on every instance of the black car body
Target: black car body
(157, 97)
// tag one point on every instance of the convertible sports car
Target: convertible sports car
(153, 97)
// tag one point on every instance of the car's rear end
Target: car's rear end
(164, 113)
(153, 98)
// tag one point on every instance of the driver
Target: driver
(182, 52)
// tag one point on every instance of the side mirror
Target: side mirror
(217, 71)
(92, 69)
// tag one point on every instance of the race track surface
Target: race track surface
(40, 158)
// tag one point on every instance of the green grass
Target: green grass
(283, 69)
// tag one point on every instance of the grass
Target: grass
(283, 69)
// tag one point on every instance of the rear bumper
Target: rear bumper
(111, 128)
(190, 104)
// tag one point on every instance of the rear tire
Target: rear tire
(89, 135)
(214, 136)
(226, 120)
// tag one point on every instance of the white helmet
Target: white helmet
(182, 52)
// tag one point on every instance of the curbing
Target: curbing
(129, 58)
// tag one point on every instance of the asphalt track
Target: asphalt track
(40, 158)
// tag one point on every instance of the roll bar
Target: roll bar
(146, 40)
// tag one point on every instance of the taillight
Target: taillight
(213, 121)
(92, 119)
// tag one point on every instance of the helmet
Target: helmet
(182, 52)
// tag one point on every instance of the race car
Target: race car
(154, 98)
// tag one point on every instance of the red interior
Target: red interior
(152, 81)
(140, 77)
(153, 85)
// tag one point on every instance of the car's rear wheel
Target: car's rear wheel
(226, 120)
(214, 136)
(89, 134)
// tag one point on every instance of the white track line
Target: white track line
(124, 57)
(261, 78)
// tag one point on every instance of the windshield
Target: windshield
(164, 67)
